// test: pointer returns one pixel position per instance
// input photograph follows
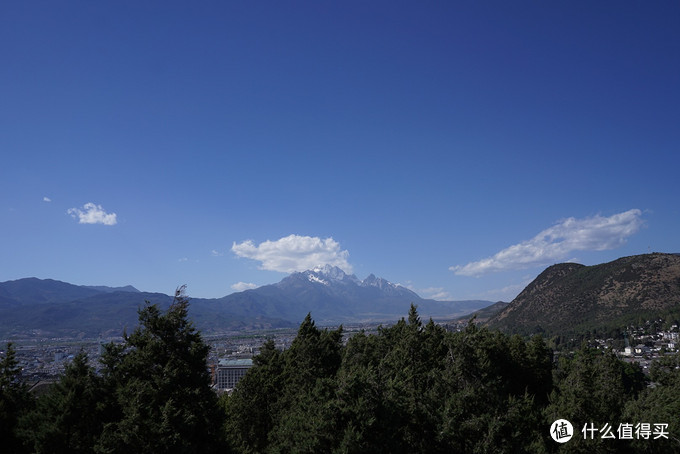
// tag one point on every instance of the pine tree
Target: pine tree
(162, 387)
(592, 388)
(251, 411)
(69, 417)
(14, 401)
(304, 410)
(659, 405)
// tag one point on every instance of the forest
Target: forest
(412, 387)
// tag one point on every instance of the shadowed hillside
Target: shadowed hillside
(569, 297)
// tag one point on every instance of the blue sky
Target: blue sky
(457, 148)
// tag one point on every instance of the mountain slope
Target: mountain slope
(570, 297)
(484, 314)
(335, 297)
(35, 307)
(41, 291)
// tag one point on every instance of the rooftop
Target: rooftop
(248, 362)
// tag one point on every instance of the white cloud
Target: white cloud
(93, 214)
(241, 286)
(294, 253)
(216, 253)
(507, 293)
(436, 293)
(596, 233)
(46, 199)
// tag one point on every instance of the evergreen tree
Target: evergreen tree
(304, 421)
(309, 424)
(592, 388)
(161, 387)
(489, 404)
(366, 415)
(285, 403)
(14, 401)
(413, 387)
(390, 388)
(659, 405)
(538, 366)
(69, 417)
(313, 354)
(252, 410)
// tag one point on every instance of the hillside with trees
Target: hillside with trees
(411, 387)
(38, 308)
(570, 298)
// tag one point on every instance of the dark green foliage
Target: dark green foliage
(161, 387)
(308, 423)
(153, 396)
(252, 411)
(666, 371)
(391, 387)
(413, 387)
(584, 302)
(281, 404)
(313, 354)
(14, 401)
(593, 387)
(495, 389)
(310, 364)
(70, 416)
(659, 404)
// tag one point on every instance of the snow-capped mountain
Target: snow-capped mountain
(338, 282)
(326, 275)
(330, 294)
(61, 309)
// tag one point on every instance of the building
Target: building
(230, 371)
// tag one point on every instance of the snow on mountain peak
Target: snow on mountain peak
(376, 282)
(329, 271)
(314, 278)
(337, 282)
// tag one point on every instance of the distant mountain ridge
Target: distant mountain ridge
(570, 297)
(332, 296)
(484, 314)
(104, 288)
(46, 307)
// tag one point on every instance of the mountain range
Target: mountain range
(34, 307)
(565, 298)
(573, 298)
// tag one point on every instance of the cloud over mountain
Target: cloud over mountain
(294, 253)
(595, 233)
(436, 293)
(241, 286)
(92, 214)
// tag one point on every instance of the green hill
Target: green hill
(572, 298)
